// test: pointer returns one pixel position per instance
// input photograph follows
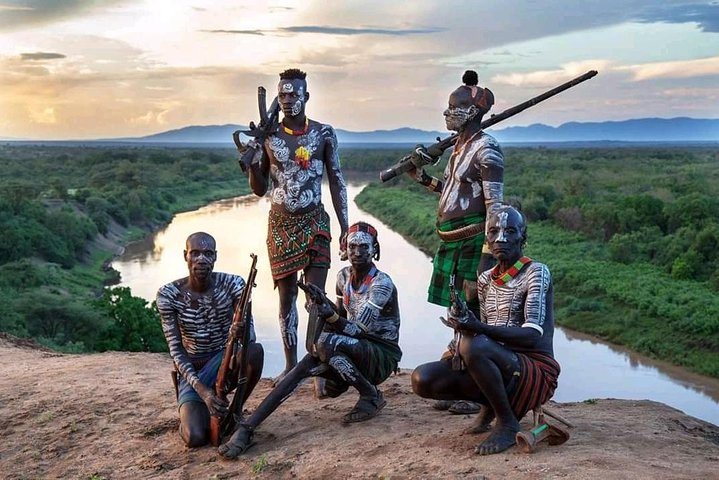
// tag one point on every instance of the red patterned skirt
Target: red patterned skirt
(536, 383)
(295, 242)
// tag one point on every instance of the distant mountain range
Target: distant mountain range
(680, 129)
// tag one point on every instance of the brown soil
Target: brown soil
(112, 416)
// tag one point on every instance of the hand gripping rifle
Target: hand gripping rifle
(422, 155)
(458, 310)
(269, 123)
(315, 324)
(229, 373)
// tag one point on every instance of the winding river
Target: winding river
(590, 368)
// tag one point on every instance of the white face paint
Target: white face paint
(297, 106)
(456, 117)
(362, 239)
(502, 225)
(287, 88)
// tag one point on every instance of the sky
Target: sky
(85, 69)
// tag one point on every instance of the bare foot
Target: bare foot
(238, 444)
(502, 437)
(482, 422)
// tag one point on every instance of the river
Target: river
(590, 368)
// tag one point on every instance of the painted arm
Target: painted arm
(173, 336)
(259, 171)
(491, 168)
(338, 188)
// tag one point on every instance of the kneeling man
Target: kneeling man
(196, 313)
(359, 346)
(508, 358)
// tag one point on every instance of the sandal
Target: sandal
(464, 407)
(365, 408)
(235, 447)
(443, 404)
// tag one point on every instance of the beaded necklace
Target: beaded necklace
(297, 133)
(500, 278)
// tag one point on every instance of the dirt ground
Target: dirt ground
(112, 416)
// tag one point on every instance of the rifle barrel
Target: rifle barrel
(405, 165)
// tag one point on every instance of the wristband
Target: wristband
(333, 318)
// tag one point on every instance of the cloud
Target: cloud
(360, 31)
(238, 32)
(44, 115)
(327, 30)
(549, 78)
(41, 56)
(27, 13)
(704, 14)
(678, 69)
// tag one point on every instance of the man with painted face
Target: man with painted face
(358, 347)
(507, 352)
(196, 313)
(473, 182)
(291, 165)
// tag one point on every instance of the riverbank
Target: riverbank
(112, 416)
(661, 317)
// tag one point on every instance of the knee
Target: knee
(325, 348)
(194, 436)
(472, 349)
(422, 381)
(256, 354)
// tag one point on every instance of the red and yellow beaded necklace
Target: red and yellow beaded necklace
(500, 278)
(297, 133)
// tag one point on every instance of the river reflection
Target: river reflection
(590, 369)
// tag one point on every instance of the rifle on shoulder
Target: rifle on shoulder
(422, 155)
(269, 124)
(230, 373)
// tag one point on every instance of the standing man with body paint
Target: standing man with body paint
(291, 165)
(508, 348)
(473, 183)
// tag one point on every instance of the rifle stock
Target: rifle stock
(239, 317)
(435, 151)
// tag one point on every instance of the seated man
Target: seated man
(507, 353)
(358, 347)
(196, 313)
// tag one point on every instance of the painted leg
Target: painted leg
(287, 288)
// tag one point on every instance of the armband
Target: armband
(333, 318)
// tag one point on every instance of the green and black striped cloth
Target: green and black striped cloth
(464, 253)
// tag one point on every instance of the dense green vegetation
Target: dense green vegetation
(56, 201)
(631, 237)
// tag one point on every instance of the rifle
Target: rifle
(315, 324)
(219, 426)
(269, 124)
(422, 155)
(459, 311)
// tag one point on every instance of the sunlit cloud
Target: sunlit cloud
(678, 69)
(547, 78)
(44, 115)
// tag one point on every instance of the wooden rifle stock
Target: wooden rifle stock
(435, 151)
(239, 372)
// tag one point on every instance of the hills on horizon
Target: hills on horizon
(680, 129)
